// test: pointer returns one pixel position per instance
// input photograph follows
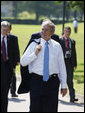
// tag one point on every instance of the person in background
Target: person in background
(69, 50)
(75, 25)
(17, 58)
(8, 62)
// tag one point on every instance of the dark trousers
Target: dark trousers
(70, 70)
(5, 84)
(75, 29)
(13, 84)
(44, 95)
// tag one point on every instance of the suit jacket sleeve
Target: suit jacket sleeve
(33, 36)
(17, 52)
(75, 56)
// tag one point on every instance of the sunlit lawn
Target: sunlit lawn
(24, 33)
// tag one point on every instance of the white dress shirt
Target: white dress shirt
(75, 23)
(36, 62)
(5, 39)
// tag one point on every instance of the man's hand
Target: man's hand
(63, 92)
(18, 63)
(38, 49)
(75, 67)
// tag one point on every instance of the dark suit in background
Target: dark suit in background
(70, 62)
(17, 60)
(24, 86)
(7, 72)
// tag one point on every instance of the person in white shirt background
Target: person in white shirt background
(75, 24)
(45, 74)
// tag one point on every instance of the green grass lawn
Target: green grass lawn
(24, 33)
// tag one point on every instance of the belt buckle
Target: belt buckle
(54, 75)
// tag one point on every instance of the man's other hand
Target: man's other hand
(63, 92)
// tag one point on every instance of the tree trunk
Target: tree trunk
(37, 18)
(64, 12)
(67, 15)
(75, 14)
(15, 10)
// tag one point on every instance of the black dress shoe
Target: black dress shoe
(14, 95)
(73, 100)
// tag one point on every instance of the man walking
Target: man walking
(47, 69)
(17, 59)
(68, 46)
(7, 63)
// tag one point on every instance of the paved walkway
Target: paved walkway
(22, 103)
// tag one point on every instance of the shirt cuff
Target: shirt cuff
(63, 85)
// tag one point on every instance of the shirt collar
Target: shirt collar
(67, 38)
(44, 41)
(4, 38)
(1, 36)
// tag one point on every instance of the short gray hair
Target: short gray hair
(4, 23)
(49, 23)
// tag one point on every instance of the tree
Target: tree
(64, 12)
(76, 6)
(15, 9)
(40, 8)
(18, 6)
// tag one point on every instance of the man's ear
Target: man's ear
(52, 32)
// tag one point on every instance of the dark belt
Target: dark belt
(41, 76)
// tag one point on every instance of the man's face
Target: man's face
(4, 30)
(46, 32)
(67, 33)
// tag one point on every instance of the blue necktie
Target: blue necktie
(46, 63)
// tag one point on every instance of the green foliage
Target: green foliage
(48, 9)
(76, 5)
(26, 15)
(41, 8)
(73, 5)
